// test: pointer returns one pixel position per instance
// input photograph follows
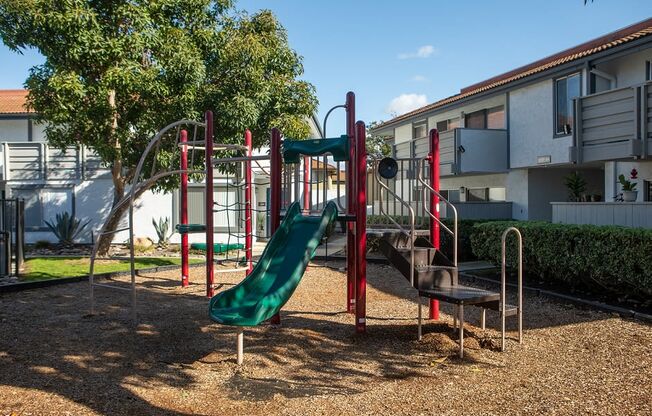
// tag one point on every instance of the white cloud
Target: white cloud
(420, 78)
(405, 102)
(425, 51)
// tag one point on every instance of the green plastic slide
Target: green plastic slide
(278, 272)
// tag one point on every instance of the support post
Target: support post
(434, 207)
(248, 205)
(306, 184)
(208, 145)
(240, 346)
(350, 203)
(275, 184)
(183, 138)
(361, 228)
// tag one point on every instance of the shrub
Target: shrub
(66, 228)
(42, 244)
(601, 258)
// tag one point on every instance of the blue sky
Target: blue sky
(414, 52)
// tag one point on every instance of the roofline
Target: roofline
(542, 69)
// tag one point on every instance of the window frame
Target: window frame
(556, 133)
(38, 189)
(417, 124)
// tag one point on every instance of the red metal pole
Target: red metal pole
(184, 208)
(248, 205)
(306, 184)
(361, 228)
(210, 265)
(350, 203)
(275, 184)
(434, 206)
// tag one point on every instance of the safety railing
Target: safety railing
(427, 187)
(503, 284)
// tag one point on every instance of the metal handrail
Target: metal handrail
(432, 190)
(503, 284)
(410, 209)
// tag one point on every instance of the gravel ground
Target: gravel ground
(55, 359)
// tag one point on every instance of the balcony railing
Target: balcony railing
(463, 150)
(612, 125)
(38, 162)
(625, 214)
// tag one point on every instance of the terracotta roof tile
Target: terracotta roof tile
(591, 47)
(13, 102)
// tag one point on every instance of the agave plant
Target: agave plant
(162, 228)
(66, 228)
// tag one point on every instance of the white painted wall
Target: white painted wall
(531, 127)
(629, 70)
(403, 133)
(517, 193)
(38, 132)
(13, 130)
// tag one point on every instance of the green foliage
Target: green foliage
(626, 185)
(41, 244)
(603, 258)
(163, 234)
(576, 185)
(164, 60)
(377, 146)
(66, 228)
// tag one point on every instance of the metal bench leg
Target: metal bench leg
(455, 312)
(461, 317)
(240, 346)
(483, 318)
(419, 333)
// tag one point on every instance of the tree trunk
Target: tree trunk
(112, 223)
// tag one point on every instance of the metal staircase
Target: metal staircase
(432, 273)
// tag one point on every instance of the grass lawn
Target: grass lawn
(55, 268)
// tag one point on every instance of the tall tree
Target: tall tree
(116, 71)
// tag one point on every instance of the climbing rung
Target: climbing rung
(190, 228)
(115, 231)
(128, 289)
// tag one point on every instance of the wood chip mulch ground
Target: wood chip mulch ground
(56, 359)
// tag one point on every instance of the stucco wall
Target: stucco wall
(403, 133)
(531, 127)
(517, 192)
(629, 70)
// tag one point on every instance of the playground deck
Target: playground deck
(56, 360)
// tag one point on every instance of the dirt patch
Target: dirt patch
(56, 359)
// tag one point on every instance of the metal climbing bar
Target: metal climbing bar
(504, 309)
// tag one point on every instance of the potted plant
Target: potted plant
(576, 185)
(629, 188)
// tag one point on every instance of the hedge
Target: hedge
(600, 258)
(464, 230)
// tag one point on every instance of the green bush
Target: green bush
(601, 258)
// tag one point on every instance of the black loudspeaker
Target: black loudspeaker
(388, 168)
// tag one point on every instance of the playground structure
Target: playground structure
(297, 231)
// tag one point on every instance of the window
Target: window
(647, 187)
(43, 204)
(566, 89)
(420, 130)
(476, 120)
(451, 195)
(479, 194)
(496, 117)
(648, 71)
(450, 124)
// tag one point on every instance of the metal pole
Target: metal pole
(183, 138)
(208, 145)
(306, 184)
(248, 205)
(275, 184)
(434, 207)
(361, 228)
(350, 204)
